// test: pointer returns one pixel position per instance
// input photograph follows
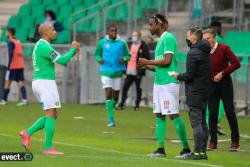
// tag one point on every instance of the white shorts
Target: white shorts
(46, 93)
(166, 99)
(114, 83)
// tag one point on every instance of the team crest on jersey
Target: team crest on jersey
(166, 104)
(53, 53)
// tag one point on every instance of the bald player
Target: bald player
(44, 86)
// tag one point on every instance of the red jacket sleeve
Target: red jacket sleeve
(234, 61)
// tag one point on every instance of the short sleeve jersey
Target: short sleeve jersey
(166, 44)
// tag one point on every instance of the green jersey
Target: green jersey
(44, 56)
(166, 44)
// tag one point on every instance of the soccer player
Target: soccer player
(112, 54)
(15, 70)
(166, 88)
(44, 86)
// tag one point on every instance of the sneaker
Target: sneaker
(3, 103)
(25, 139)
(234, 147)
(183, 153)
(111, 123)
(22, 104)
(119, 107)
(157, 153)
(220, 131)
(52, 151)
(211, 147)
(203, 156)
(192, 156)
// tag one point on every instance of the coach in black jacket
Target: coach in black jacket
(197, 81)
(138, 49)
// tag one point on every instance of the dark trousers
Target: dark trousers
(197, 115)
(127, 83)
(224, 91)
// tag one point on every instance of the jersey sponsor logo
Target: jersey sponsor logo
(54, 54)
(166, 104)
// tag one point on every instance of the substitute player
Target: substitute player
(166, 88)
(44, 86)
(15, 70)
(112, 53)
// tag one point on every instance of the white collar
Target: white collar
(214, 48)
(163, 34)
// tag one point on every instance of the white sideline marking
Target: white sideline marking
(220, 140)
(105, 132)
(115, 151)
(78, 117)
(245, 136)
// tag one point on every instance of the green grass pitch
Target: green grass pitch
(81, 133)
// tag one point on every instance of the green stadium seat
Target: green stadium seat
(22, 34)
(65, 12)
(53, 8)
(38, 11)
(84, 26)
(27, 22)
(66, 23)
(63, 37)
(39, 20)
(62, 2)
(115, 1)
(121, 12)
(25, 10)
(47, 2)
(88, 3)
(3, 38)
(111, 14)
(75, 3)
(149, 4)
(93, 10)
(14, 21)
(35, 2)
(80, 15)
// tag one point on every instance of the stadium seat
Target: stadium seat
(66, 23)
(79, 15)
(111, 14)
(39, 20)
(25, 10)
(38, 11)
(88, 3)
(53, 8)
(27, 22)
(47, 2)
(65, 12)
(74, 3)
(121, 12)
(84, 26)
(14, 21)
(62, 37)
(93, 10)
(62, 2)
(35, 2)
(22, 34)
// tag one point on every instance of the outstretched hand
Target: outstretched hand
(142, 62)
(75, 45)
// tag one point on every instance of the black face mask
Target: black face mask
(189, 43)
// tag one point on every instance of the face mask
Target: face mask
(189, 43)
(134, 39)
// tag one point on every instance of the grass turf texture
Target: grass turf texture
(89, 142)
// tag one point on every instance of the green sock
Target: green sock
(160, 131)
(109, 108)
(114, 103)
(221, 112)
(181, 130)
(49, 132)
(207, 116)
(38, 125)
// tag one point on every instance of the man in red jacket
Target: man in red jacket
(15, 70)
(224, 62)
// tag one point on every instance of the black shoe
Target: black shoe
(220, 131)
(184, 152)
(119, 107)
(192, 156)
(158, 153)
(203, 156)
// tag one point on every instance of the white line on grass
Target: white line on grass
(115, 151)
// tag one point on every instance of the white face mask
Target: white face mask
(134, 39)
